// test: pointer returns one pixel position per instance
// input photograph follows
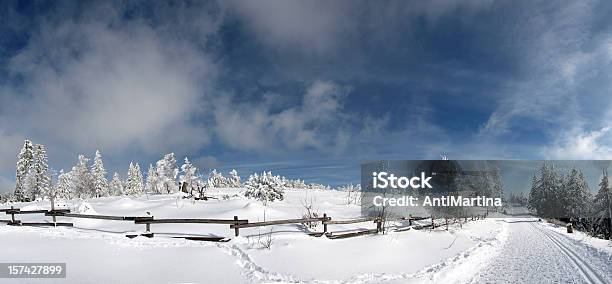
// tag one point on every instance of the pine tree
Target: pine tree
(188, 177)
(575, 195)
(602, 207)
(535, 195)
(98, 175)
(265, 187)
(30, 184)
(82, 178)
(24, 161)
(116, 185)
(41, 171)
(234, 179)
(64, 186)
(167, 172)
(134, 183)
(139, 179)
(151, 185)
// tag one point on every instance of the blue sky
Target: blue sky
(306, 89)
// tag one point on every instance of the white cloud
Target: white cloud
(582, 145)
(109, 84)
(317, 27)
(317, 123)
(558, 53)
(293, 23)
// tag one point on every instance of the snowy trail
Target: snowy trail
(590, 266)
(535, 254)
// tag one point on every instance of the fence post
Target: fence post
(378, 225)
(52, 212)
(148, 230)
(236, 230)
(12, 214)
(324, 223)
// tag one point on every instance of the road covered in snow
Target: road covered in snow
(535, 252)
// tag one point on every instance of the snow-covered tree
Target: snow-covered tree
(64, 186)
(264, 187)
(575, 194)
(139, 178)
(24, 161)
(201, 186)
(602, 209)
(98, 175)
(82, 178)
(188, 177)
(30, 184)
(134, 184)
(295, 183)
(217, 180)
(234, 179)
(41, 171)
(152, 181)
(116, 186)
(167, 172)
(545, 196)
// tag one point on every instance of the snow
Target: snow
(533, 253)
(98, 257)
(97, 251)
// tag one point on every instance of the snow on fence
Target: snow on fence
(16, 211)
(234, 223)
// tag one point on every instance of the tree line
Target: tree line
(566, 196)
(35, 180)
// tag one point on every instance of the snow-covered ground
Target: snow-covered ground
(491, 250)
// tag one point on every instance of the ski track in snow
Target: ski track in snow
(535, 254)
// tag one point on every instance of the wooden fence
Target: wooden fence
(234, 223)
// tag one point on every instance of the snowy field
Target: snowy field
(491, 250)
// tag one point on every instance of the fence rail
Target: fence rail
(234, 223)
(100, 217)
(351, 221)
(191, 221)
(279, 222)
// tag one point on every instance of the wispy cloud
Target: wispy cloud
(318, 122)
(582, 145)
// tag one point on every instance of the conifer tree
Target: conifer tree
(265, 187)
(30, 184)
(167, 172)
(82, 178)
(602, 209)
(41, 171)
(116, 185)
(234, 179)
(64, 186)
(134, 184)
(24, 162)
(151, 185)
(98, 175)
